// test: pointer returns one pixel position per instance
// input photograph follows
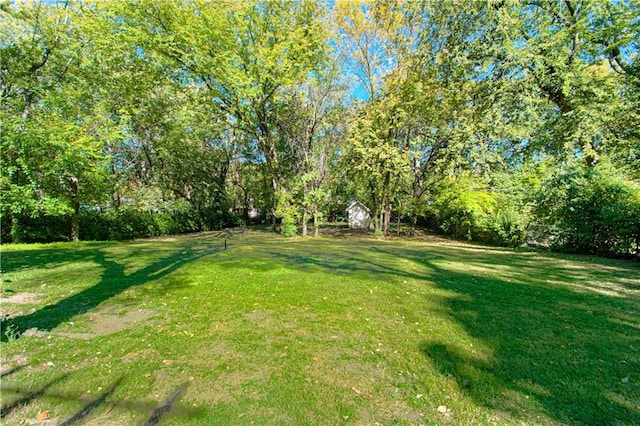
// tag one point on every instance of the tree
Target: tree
(261, 49)
(310, 124)
(52, 128)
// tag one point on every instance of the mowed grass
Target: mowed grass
(331, 330)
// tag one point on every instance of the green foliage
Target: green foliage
(288, 229)
(591, 210)
(132, 105)
(126, 223)
(508, 228)
(466, 208)
(289, 214)
(38, 228)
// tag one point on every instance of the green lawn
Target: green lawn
(330, 330)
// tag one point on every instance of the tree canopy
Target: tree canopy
(494, 120)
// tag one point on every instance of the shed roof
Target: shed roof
(357, 203)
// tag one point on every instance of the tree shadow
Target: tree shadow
(163, 409)
(156, 412)
(92, 405)
(17, 260)
(30, 396)
(114, 280)
(558, 332)
(544, 340)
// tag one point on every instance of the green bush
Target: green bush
(466, 208)
(40, 229)
(508, 228)
(289, 229)
(117, 224)
(591, 210)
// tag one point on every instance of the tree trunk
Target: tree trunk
(414, 222)
(75, 224)
(75, 201)
(15, 229)
(245, 207)
(274, 186)
(305, 217)
(387, 219)
(315, 222)
(399, 222)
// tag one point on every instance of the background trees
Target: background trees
(446, 114)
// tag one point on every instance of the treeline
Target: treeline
(502, 122)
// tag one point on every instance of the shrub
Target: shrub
(289, 229)
(117, 224)
(39, 229)
(591, 210)
(465, 208)
(508, 228)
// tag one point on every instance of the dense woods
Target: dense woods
(506, 122)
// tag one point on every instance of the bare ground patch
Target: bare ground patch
(102, 323)
(20, 298)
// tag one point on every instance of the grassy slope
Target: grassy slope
(320, 331)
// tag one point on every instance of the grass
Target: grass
(330, 330)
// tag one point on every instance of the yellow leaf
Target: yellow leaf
(42, 415)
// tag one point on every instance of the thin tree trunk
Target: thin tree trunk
(305, 215)
(315, 222)
(15, 229)
(75, 222)
(387, 219)
(274, 186)
(414, 222)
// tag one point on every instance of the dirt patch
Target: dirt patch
(149, 355)
(20, 298)
(260, 318)
(103, 323)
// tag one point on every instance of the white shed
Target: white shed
(359, 216)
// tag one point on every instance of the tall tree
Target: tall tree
(52, 127)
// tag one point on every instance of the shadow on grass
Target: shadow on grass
(553, 335)
(114, 280)
(89, 407)
(562, 331)
(30, 396)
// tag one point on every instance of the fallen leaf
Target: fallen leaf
(315, 358)
(42, 415)
(442, 409)
(168, 361)
(345, 417)
(625, 380)
(356, 390)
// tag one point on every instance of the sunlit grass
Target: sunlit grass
(319, 331)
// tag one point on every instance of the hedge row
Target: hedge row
(111, 224)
